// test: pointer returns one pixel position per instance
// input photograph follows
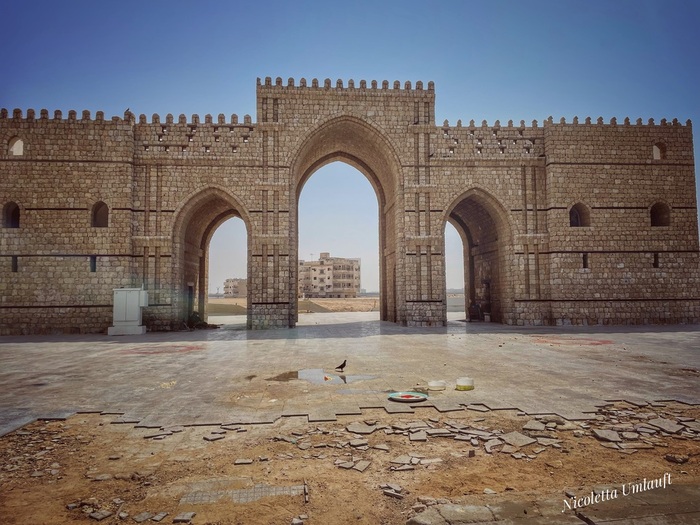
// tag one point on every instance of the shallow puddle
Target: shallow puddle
(319, 377)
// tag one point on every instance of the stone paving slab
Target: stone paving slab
(209, 383)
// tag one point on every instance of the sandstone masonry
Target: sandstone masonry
(581, 222)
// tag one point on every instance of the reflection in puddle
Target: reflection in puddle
(319, 377)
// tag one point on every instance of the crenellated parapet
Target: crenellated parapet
(339, 85)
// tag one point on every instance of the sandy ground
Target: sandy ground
(237, 305)
(93, 464)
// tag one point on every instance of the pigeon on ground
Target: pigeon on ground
(341, 366)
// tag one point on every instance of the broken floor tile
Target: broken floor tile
(358, 442)
(517, 439)
(402, 468)
(392, 494)
(607, 435)
(143, 516)
(634, 445)
(346, 465)
(361, 428)
(213, 437)
(489, 445)
(401, 460)
(478, 408)
(666, 425)
(361, 466)
(184, 517)
(100, 514)
(439, 432)
(243, 461)
(548, 442)
(157, 435)
(159, 517)
(534, 425)
(419, 436)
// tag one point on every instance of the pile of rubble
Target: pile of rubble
(629, 427)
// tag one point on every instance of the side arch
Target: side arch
(195, 220)
(484, 226)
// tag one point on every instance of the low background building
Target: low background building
(236, 287)
(329, 277)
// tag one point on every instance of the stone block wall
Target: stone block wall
(508, 189)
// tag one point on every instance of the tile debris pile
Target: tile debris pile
(629, 427)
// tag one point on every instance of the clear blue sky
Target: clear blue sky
(489, 60)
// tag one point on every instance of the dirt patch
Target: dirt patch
(87, 462)
(238, 305)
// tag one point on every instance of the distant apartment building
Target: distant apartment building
(236, 288)
(329, 277)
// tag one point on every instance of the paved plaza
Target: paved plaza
(230, 375)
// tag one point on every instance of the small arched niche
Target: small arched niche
(10, 215)
(660, 214)
(659, 151)
(579, 215)
(15, 147)
(100, 215)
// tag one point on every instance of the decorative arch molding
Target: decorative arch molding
(484, 197)
(196, 199)
(353, 137)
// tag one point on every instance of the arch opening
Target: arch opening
(338, 236)
(357, 143)
(455, 278)
(483, 228)
(196, 222)
(227, 272)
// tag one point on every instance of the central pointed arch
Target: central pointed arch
(362, 145)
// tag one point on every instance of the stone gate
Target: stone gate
(580, 222)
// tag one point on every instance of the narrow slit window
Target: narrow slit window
(15, 264)
(656, 260)
(585, 261)
(93, 263)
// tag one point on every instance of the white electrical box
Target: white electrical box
(127, 313)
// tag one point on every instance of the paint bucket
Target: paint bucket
(437, 385)
(465, 383)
